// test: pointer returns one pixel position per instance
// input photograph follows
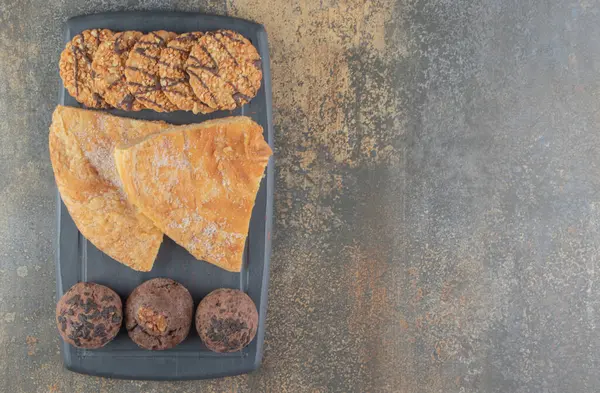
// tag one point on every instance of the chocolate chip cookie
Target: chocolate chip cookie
(75, 67)
(158, 314)
(89, 315)
(173, 77)
(226, 320)
(109, 66)
(141, 71)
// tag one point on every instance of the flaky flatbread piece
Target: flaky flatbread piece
(81, 150)
(198, 184)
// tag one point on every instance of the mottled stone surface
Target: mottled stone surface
(437, 206)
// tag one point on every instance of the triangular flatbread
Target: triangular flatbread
(198, 184)
(81, 150)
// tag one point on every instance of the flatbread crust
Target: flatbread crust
(81, 146)
(198, 184)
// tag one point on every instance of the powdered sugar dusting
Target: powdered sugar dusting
(211, 240)
(99, 153)
(185, 222)
(210, 230)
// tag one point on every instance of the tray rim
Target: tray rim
(269, 177)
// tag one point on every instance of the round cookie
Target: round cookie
(109, 67)
(205, 80)
(89, 315)
(158, 314)
(75, 67)
(226, 320)
(141, 71)
(239, 62)
(225, 69)
(173, 78)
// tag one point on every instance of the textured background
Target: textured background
(437, 206)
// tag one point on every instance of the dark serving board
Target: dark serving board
(78, 260)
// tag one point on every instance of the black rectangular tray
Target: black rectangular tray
(78, 260)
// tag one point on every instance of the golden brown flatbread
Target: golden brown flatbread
(81, 150)
(198, 184)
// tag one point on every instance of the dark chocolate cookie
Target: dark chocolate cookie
(226, 320)
(158, 314)
(89, 315)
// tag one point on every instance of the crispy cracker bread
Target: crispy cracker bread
(81, 150)
(198, 184)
